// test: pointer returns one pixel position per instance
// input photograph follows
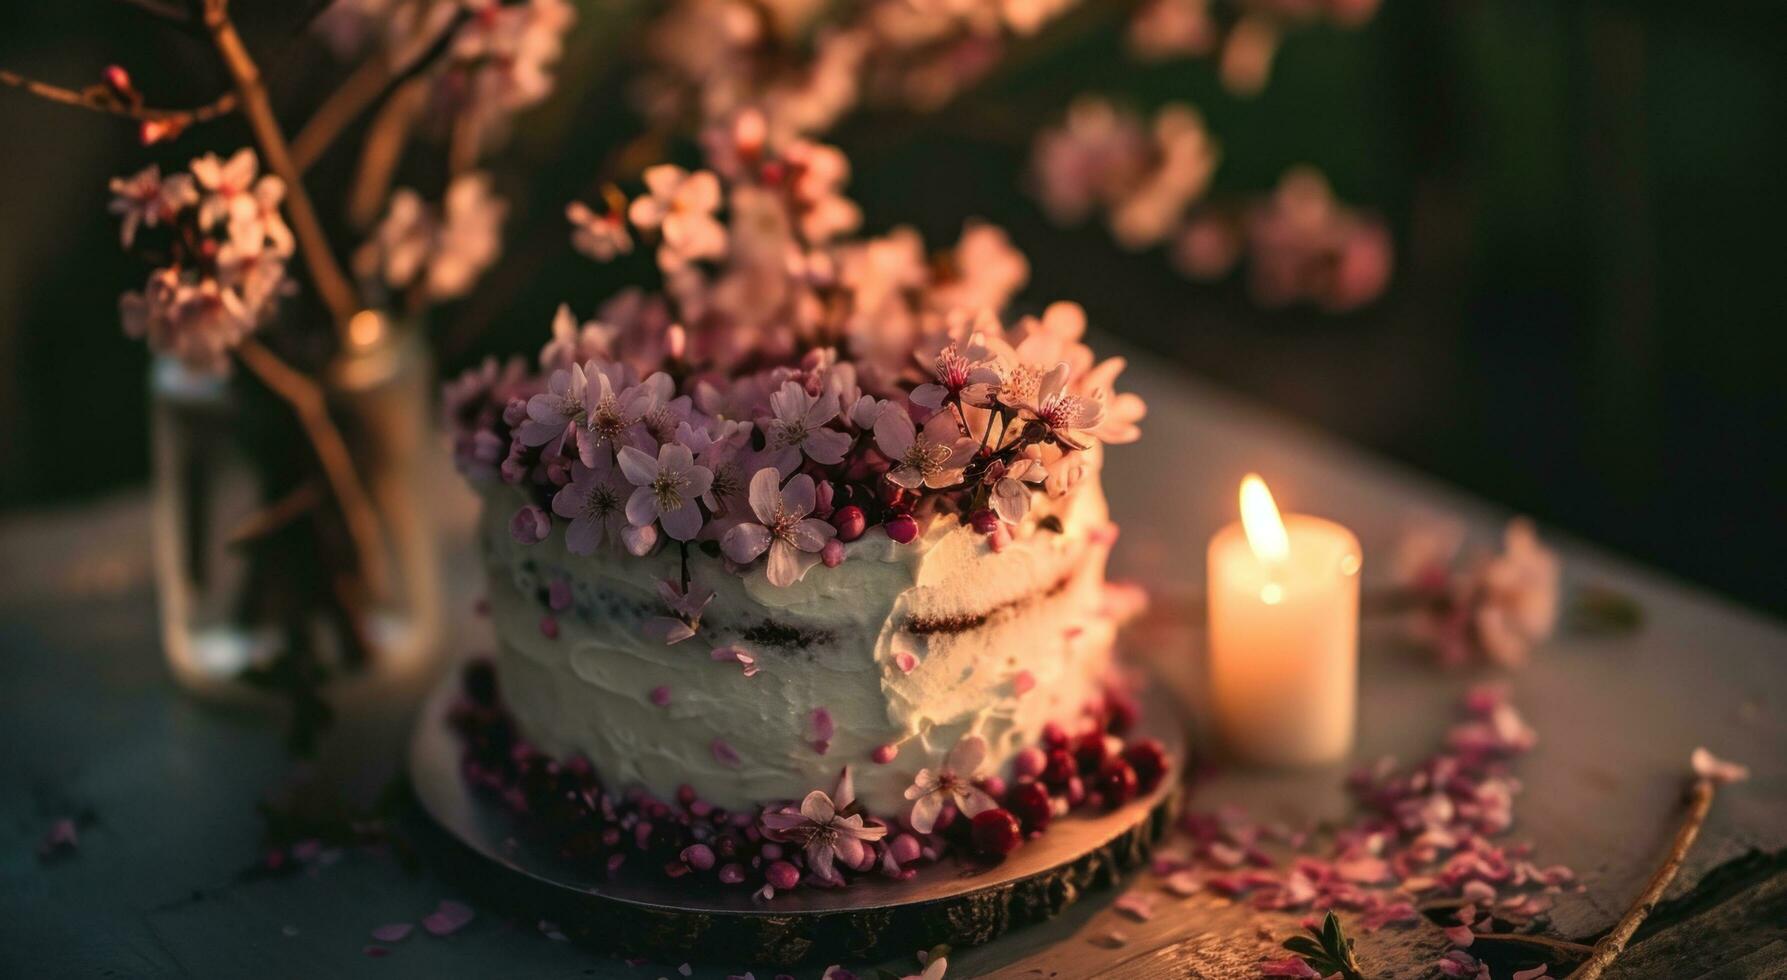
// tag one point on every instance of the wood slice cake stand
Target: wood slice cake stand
(644, 913)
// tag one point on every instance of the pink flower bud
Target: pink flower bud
(832, 554)
(822, 496)
(529, 525)
(118, 81)
(661, 695)
(884, 754)
(901, 528)
(984, 521)
(676, 342)
(850, 522)
(732, 874)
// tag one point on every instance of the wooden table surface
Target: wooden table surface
(89, 722)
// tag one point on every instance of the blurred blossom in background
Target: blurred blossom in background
(1531, 249)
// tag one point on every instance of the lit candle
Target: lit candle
(1284, 634)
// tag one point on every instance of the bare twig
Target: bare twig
(278, 514)
(97, 98)
(325, 272)
(165, 9)
(1700, 801)
(383, 150)
(1528, 939)
(312, 409)
(338, 110)
(366, 87)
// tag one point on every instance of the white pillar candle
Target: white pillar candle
(1284, 634)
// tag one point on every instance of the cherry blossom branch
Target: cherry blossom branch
(1700, 802)
(98, 98)
(325, 272)
(312, 409)
(372, 82)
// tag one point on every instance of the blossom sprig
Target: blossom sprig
(220, 246)
(790, 388)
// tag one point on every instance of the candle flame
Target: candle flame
(1259, 518)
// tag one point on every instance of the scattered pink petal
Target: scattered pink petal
(375, 951)
(905, 661)
(558, 595)
(1289, 966)
(1184, 884)
(737, 655)
(395, 932)
(1709, 766)
(1022, 683)
(549, 627)
(1461, 936)
(661, 695)
(61, 838)
(1364, 871)
(725, 754)
(1137, 905)
(1110, 939)
(448, 918)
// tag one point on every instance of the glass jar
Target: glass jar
(247, 560)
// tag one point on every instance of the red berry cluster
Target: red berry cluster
(564, 807)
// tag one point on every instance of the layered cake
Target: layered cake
(796, 564)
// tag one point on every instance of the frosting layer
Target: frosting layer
(900, 650)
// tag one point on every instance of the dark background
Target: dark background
(1586, 199)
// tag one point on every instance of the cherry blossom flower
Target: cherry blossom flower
(1517, 590)
(557, 412)
(681, 206)
(600, 236)
(933, 457)
(797, 425)
(826, 836)
(443, 253)
(962, 376)
(666, 489)
(197, 322)
(470, 236)
(610, 410)
(1010, 497)
(1709, 766)
(685, 607)
(1062, 414)
(228, 185)
(792, 539)
(146, 200)
(953, 782)
(595, 504)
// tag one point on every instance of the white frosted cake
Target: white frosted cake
(797, 566)
(905, 648)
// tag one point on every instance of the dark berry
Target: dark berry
(1031, 804)
(1149, 760)
(984, 521)
(1090, 752)
(1117, 782)
(1054, 736)
(996, 832)
(1121, 712)
(480, 682)
(1060, 768)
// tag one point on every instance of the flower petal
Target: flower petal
(639, 468)
(745, 542)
